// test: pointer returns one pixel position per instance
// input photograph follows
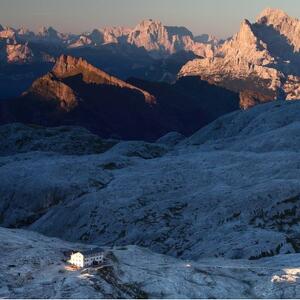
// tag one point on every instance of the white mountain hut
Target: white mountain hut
(87, 258)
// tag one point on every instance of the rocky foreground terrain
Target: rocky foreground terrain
(225, 201)
(41, 271)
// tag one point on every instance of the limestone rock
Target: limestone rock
(67, 66)
(261, 61)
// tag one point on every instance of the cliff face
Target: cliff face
(261, 61)
(19, 53)
(67, 66)
(281, 22)
(162, 40)
(77, 93)
(159, 40)
(156, 38)
(50, 88)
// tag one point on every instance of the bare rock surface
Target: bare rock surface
(20, 138)
(261, 61)
(77, 93)
(156, 38)
(161, 40)
(41, 270)
(67, 66)
(19, 53)
(171, 139)
(231, 190)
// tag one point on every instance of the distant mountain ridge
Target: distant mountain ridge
(150, 51)
(52, 85)
(261, 61)
(67, 66)
(159, 40)
(77, 93)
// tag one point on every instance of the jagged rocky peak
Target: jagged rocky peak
(286, 25)
(157, 28)
(117, 30)
(162, 40)
(156, 38)
(246, 32)
(246, 45)
(245, 38)
(48, 33)
(272, 16)
(49, 88)
(19, 53)
(81, 42)
(207, 39)
(97, 36)
(47, 30)
(179, 31)
(149, 23)
(14, 51)
(67, 66)
(115, 34)
(261, 61)
(23, 31)
(7, 33)
(148, 34)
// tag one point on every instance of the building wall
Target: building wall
(77, 259)
(88, 261)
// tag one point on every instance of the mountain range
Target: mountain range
(149, 51)
(157, 39)
(77, 93)
(261, 62)
(158, 147)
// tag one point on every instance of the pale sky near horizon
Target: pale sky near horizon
(217, 17)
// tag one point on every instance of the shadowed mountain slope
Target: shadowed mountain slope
(77, 93)
(231, 190)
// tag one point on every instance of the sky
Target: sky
(218, 17)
